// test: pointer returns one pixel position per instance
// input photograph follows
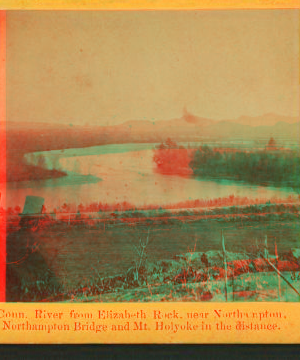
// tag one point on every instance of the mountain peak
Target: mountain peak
(188, 117)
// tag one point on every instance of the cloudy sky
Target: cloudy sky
(102, 68)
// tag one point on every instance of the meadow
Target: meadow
(85, 257)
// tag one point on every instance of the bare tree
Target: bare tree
(140, 256)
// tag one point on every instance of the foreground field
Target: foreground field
(100, 258)
(248, 287)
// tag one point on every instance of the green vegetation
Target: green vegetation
(278, 167)
(193, 276)
(43, 263)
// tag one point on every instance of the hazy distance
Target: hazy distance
(105, 68)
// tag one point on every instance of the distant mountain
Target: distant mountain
(27, 137)
(187, 120)
(232, 129)
(269, 119)
(15, 125)
(191, 128)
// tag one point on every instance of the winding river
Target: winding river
(118, 173)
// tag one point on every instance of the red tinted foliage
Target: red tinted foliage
(173, 159)
(230, 200)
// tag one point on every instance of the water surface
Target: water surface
(118, 173)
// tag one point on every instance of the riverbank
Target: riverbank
(20, 172)
(69, 215)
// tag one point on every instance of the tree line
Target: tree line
(272, 165)
(280, 167)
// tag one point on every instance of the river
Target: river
(119, 173)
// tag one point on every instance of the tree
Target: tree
(272, 144)
(170, 144)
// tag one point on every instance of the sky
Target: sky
(105, 68)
